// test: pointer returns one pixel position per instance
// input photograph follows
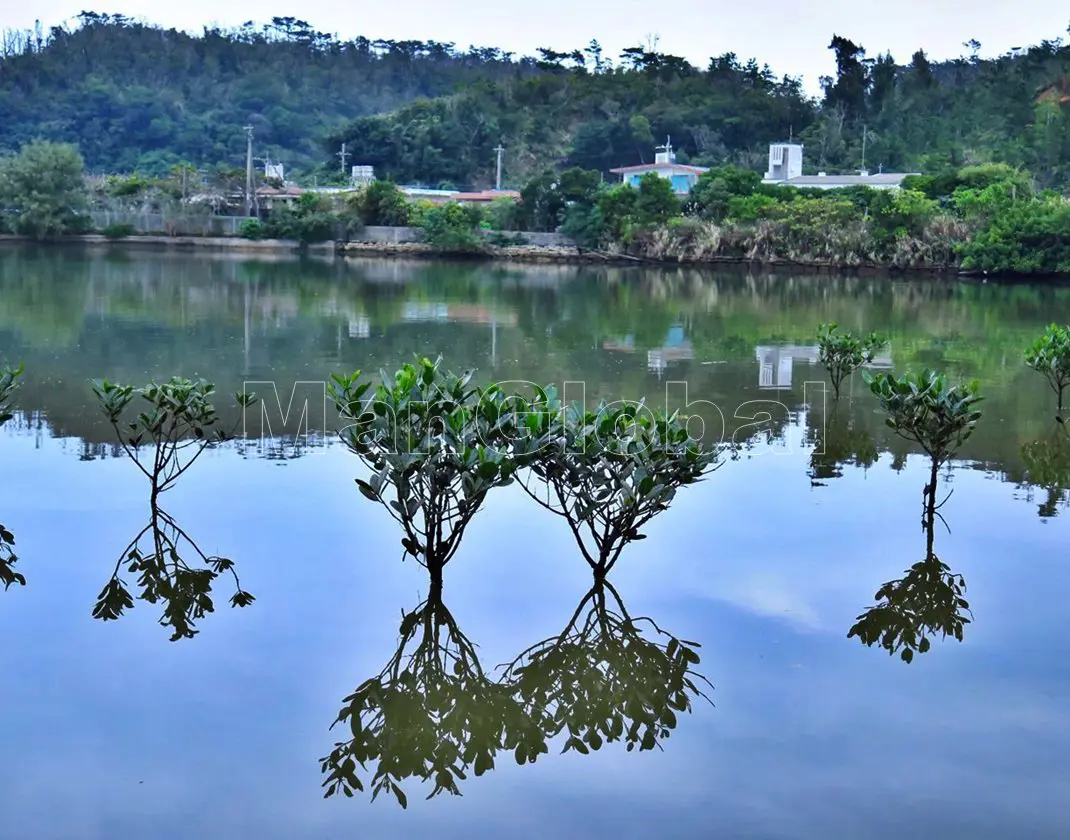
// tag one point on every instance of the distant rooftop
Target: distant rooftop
(643, 167)
(879, 179)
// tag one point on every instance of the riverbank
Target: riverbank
(180, 243)
(545, 254)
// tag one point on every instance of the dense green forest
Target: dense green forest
(134, 96)
(138, 97)
(921, 116)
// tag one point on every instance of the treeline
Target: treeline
(138, 97)
(582, 111)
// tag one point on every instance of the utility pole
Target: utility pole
(498, 180)
(249, 170)
(342, 155)
(863, 147)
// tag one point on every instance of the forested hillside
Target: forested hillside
(917, 116)
(133, 96)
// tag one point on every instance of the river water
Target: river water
(111, 731)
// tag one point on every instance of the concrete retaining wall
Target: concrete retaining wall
(156, 223)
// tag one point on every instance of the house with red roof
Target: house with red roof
(682, 176)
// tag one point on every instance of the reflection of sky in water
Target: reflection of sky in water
(110, 731)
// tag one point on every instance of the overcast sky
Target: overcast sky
(792, 37)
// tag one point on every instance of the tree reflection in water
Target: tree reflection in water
(164, 576)
(8, 383)
(925, 602)
(840, 440)
(602, 679)
(939, 416)
(435, 714)
(1047, 466)
(164, 441)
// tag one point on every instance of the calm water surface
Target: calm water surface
(110, 731)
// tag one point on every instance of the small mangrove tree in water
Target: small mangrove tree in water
(608, 472)
(1050, 356)
(436, 445)
(177, 424)
(928, 600)
(843, 353)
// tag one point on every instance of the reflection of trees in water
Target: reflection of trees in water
(1047, 467)
(436, 715)
(433, 713)
(607, 677)
(939, 417)
(156, 555)
(839, 440)
(8, 384)
(927, 601)
(177, 424)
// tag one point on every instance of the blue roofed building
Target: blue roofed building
(682, 176)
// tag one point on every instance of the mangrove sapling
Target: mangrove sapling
(924, 409)
(606, 677)
(431, 714)
(610, 471)
(939, 418)
(9, 377)
(843, 353)
(164, 441)
(427, 436)
(1050, 355)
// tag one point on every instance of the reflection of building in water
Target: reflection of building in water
(462, 313)
(620, 345)
(776, 364)
(360, 327)
(674, 348)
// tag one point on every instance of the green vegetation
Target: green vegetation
(164, 440)
(8, 383)
(142, 98)
(842, 353)
(312, 220)
(608, 472)
(252, 229)
(454, 228)
(436, 445)
(42, 192)
(118, 230)
(380, 203)
(990, 135)
(1050, 356)
(920, 116)
(925, 409)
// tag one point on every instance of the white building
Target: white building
(682, 176)
(786, 164)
